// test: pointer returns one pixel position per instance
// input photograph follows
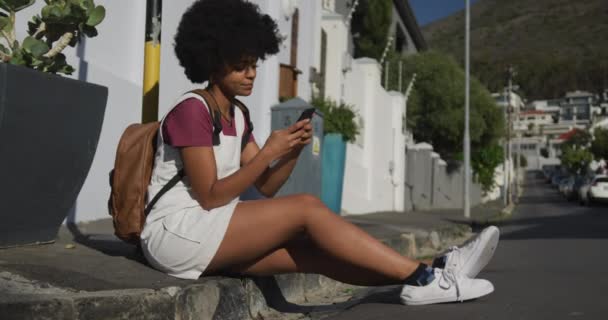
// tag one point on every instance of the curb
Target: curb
(215, 298)
(289, 296)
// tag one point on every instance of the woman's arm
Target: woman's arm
(272, 179)
(200, 167)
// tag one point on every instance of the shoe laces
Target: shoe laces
(448, 279)
(453, 260)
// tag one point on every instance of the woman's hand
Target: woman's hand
(284, 141)
(306, 137)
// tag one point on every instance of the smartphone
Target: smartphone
(306, 114)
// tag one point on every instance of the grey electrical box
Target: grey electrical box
(306, 176)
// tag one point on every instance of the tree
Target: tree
(580, 139)
(575, 160)
(599, 146)
(484, 162)
(435, 111)
(576, 155)
(370, 27)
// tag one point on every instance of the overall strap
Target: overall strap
(215, 113)
(249, 130)
(176, 178)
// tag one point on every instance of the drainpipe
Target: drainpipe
(152, 61)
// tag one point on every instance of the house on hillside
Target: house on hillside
(551, 107)
(578, 107)
(530, 148)
(503, 99)
(532, 121)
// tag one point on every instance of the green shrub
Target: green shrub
(337, 118)
(484, 162)
(61, 23)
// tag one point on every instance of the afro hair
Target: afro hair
(216, 33)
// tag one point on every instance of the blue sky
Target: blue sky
(427, 11)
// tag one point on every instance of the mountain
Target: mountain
(555, 45)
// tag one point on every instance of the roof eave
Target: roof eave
(409, 19)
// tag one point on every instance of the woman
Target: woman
(201, 228)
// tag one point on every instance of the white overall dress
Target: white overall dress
(180, 237)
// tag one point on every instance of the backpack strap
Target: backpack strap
(215, 113)
(176, 178)
(247, 134)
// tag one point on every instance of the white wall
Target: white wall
(370, 184)
(309, 45)
(337, 42)
(398, 151)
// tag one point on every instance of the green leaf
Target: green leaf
(17, 59)
(34, 46)
(4, 49)
(15, 5)
(51, 12)
(97, 15)
(66, 11)
(87, 5)
(33, 25)
(37, 63)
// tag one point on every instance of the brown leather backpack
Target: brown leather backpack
(133, 166)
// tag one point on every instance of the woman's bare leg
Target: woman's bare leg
(304, 256)
(259, 228)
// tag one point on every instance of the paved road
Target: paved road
(551, 263)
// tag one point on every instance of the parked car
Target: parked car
(549, 170)
(556, 179)
(573, 187)
(563, 184)
(594, 190)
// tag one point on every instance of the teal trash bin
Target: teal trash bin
(333, 158)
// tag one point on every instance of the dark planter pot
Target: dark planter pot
(49, 129)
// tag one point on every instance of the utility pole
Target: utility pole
(505, 165)
(518, 157)
(467, 139)
(511, 73)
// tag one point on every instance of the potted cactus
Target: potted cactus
(49, 124)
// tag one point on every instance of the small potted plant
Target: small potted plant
(49, 124)
(340, 127)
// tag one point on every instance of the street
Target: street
(551, 263)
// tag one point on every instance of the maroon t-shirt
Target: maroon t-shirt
(189, 125)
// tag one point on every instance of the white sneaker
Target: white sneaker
(446, 287)
(474, 255)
